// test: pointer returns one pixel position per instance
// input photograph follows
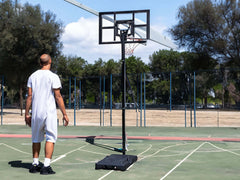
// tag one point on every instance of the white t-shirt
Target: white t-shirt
(42, 83)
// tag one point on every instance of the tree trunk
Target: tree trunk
(223, 100)
(205, 101)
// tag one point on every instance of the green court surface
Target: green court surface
(74, 158)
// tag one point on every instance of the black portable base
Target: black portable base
(116, 162)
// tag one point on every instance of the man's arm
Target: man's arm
(28, 105)
(61, 105)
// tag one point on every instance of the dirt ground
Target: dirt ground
(174, 118)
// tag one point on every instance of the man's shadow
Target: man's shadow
(20, 164)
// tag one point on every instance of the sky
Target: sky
(80, 37)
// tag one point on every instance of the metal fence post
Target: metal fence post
(75, 99)
(144, 90)
(110, 99)
(103, 97)
(185, 115)
(137, 108)
(194, 101)
(170, 92)
(2, 100)
(190, 98)
(69, 103)
(141, 101)
(80, 94)
(100, 101)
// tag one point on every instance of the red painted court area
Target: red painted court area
(159, 138)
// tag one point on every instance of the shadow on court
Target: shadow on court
(20, 164)
(91, 140)
(75, 158)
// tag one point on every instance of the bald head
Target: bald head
(45, 59)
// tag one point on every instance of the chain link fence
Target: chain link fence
(184, 99)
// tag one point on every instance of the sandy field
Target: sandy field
(174, 118)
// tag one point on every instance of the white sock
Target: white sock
(35, 161)
(47, 162)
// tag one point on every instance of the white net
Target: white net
(130, 47)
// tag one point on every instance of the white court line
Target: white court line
(64, 155)
(71, 164)
(145, 150)
(150, 147)
(60, 157)
(172, 155)
(182, 161)
(128, 167)
(105, 175)
(162, 150)
(145, 156)
(94, 152)
(223, 149)
(14, 148)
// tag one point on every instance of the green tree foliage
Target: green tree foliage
(70, 66)
(25, 33)
(93, 71)
(229, 36)
(210, 28)
(112, 67)
(194, 62)
(165, 61)
(204, 81)
(161, 63)
(135, 65)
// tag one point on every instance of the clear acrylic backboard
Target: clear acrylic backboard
(136, 22)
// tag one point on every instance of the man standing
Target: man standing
(43, 90)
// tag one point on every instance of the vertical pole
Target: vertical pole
(110, 99)
(137, 101)
(2, 100)
(194, 101)
(141, 100)
(185, 116)
(100, 101)
(144, 99)
(170, 92)
(75, 99)
(103, 97)
(69, 103)
(80, 94)
(190, 103)
(123, 35)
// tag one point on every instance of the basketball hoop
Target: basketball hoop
(130, 47)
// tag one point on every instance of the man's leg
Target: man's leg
(49, 148)
(36, 151)
(35, 165)
(51, 137)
